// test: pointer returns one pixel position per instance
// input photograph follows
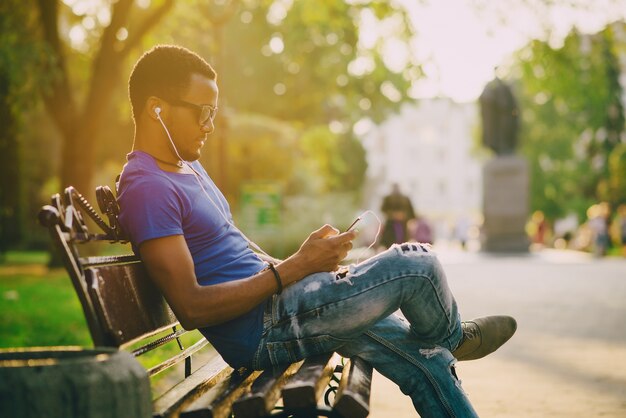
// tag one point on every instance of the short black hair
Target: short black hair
(164, 71)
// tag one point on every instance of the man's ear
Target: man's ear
(154, 107)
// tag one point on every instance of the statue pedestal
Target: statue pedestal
(505, 204)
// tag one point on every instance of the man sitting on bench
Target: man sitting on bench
(259, 312)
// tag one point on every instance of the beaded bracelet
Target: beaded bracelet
(279, 282)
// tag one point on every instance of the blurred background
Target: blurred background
(326, 107)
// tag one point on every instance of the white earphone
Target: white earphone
(157, 110)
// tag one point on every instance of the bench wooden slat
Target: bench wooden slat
(103, 260)
(217, 401)
(264, 393)
(305, 388)
(191, 388)
(353, 396)
(128, 303)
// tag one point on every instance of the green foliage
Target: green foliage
(22, 58)
(616, 184)
(572, 118)
(259, 148)
(338, 160)
(302, 61)
(301, 162)
(320, 146)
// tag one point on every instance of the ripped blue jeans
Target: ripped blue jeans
(354, 315)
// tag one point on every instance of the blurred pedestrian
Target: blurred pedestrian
(598, 216)
(420, 230)
(461, 230)
(398, 210)
(538, 228)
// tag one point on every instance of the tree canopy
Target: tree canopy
(573, 120)
(313, 65)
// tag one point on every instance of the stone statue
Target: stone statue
(506, 177)
(499, 114)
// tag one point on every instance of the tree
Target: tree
(338, 160)
(572, 118)
(310, 62)
(110, 34)
(272, 142)
(21, 57)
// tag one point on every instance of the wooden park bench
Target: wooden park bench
(124, 310)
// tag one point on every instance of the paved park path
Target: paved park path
(568, 357)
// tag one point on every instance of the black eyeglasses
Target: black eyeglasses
(205, 111)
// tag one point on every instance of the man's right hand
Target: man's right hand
(324, 249)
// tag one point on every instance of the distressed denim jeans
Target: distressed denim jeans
(355, 315)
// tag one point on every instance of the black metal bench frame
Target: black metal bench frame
(123, 309)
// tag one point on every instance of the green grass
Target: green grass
(13, 258)
(43, 310)
(40, 310)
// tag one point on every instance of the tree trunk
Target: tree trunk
(10, 180)
(79, 145)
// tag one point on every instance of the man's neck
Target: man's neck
(157, 147)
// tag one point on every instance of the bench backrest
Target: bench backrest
(120, 302)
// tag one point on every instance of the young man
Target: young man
(259, 314)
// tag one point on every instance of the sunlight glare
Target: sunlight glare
(276, 44)
(460, 44)
(361, 66)
(89, 23)
(77, 36)
(390, 91)
(337, 127)
(122, 34)
(362, 126)
(143, 4)
(395, 54)
(104, 16)
(368, 33)
(278, 11)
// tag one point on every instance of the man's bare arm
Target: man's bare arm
(170, 265)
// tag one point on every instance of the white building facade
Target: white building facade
(427, 150)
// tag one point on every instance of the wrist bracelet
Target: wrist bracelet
(279, 282)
